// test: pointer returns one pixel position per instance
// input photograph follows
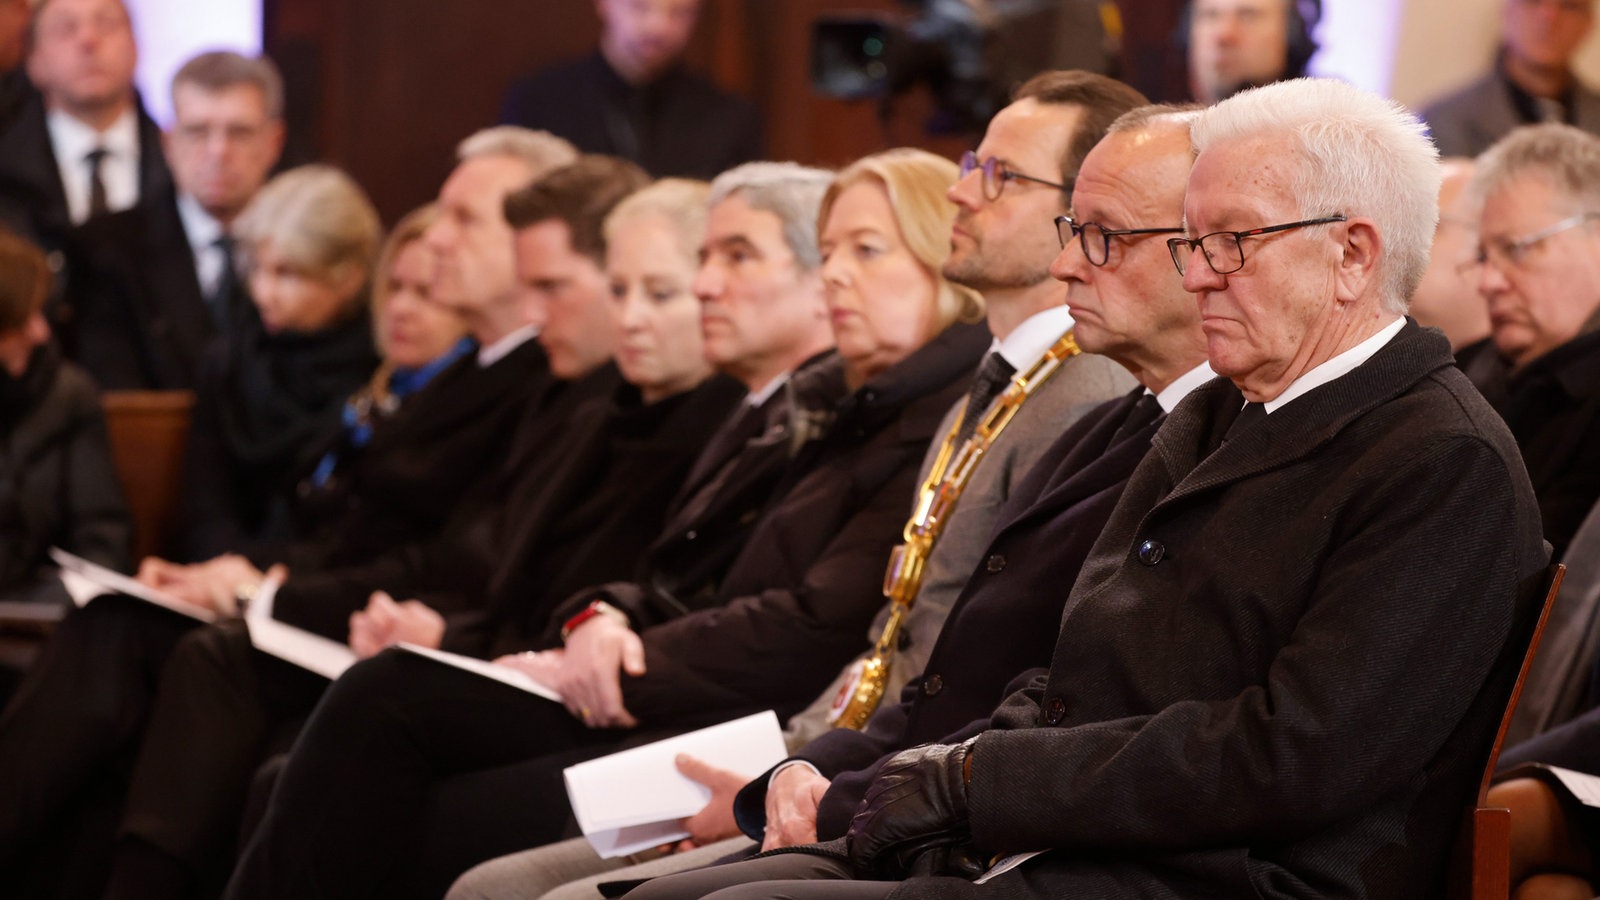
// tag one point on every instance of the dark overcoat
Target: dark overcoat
(1262, 680)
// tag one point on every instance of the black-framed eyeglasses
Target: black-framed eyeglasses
(1507, 253)
(995, 175)
(1095, 239)
(1224, 250)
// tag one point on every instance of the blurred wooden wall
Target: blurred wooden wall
(385, 88)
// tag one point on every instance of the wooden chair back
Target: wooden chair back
(149, 430)
(1482, 864)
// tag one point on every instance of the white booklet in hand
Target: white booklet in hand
(85, 580)
(636, 799)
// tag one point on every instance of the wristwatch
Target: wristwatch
(595, 608)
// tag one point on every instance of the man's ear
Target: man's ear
(1362, 248)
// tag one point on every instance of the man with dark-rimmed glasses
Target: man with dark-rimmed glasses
(1538, 269)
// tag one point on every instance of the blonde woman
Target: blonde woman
(271, 391)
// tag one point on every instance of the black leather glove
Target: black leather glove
(913, 820)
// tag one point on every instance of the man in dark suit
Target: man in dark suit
(162, 281)
(632, 97)
(76, 158)
(1128, 303)
(1539, 243)
(1256, 688)
(1532, 80)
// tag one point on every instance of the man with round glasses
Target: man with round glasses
(1538, 270)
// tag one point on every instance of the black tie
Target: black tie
(98, 205)
(1247, 419)
(1144, 412)
(744, 426)
(224, 295)
(993, 376)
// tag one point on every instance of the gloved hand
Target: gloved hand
(913, 820)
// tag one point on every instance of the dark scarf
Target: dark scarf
(283, 392)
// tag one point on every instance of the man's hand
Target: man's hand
(590, 682)
(792, 800)
(385, 623)
(216, 584)
(715, 821)
(913, 820)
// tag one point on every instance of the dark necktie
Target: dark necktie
(224, 294)
(993, 376)
(98, 205)
(1144, 412)
(1248, 417)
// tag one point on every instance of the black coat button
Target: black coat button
(995, 563)
(1055, 711)
(1152, 552)
(903, 641)
(932, 685)
(690, 535)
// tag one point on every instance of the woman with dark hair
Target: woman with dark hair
(57, 486)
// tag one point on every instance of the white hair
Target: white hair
(1355, 154)
(1567, 158)
(790, 191)
(541, 150)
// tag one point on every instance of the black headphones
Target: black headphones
(1303, 18)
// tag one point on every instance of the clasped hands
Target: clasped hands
(913, 819)
(587, 673)
(218, 584)
(386, 622)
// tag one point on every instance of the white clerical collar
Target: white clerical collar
(1180, 387)
(1338, 367)
(757, 397)
(489, 354)
(1029, 340)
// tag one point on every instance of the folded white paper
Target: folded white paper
(1584, 787)
(309, 651)
(504, 674)
(636, 799)
(85, 580)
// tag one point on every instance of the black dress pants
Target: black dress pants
(392, 788)
(69, 736)
(221, 709)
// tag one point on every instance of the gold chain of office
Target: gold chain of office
(936, 500)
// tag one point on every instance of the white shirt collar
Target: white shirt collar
(72, 140)
(1180, 387)
(1338, 367)
(492, 353)
(1029, 340)
(757, 397)
(200, 227)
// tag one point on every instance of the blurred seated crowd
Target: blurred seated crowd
(1153, 502)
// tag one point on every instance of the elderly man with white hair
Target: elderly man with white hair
(1268, 673)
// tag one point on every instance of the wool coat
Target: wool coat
(1265, 676)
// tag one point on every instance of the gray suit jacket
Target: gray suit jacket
(1084, 382)
(1466, 122)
